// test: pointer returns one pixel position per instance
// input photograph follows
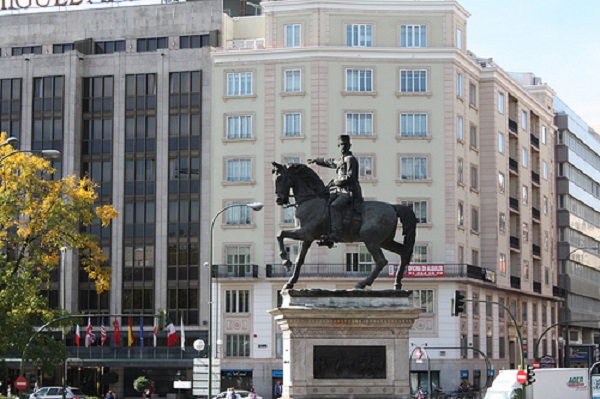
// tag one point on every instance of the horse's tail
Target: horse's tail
(409, 231)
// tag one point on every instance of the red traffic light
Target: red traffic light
(521, 376)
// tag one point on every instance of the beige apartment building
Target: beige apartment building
(469, 147)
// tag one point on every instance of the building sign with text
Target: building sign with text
(419, 270)
(7, 7)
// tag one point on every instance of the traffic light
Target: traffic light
(530, 375)
(458, 303)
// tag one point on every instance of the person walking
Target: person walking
(278, 389)
(110, 395)
(420, 394)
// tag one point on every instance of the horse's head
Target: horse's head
(283, 183)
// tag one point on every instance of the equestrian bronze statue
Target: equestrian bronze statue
(376, 226)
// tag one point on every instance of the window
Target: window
(459, 171)
(239, 170)
(239, 84)
(423, 299)
(292, 124)
(413, 81)
(413, 168)
(475, 298)
(413, 125)
(109, 47)
(359, 35)
(289, 216)
(545, 170)
(459, 39)
(237, 345)
(501, 182)
(237, 301)
(544, 138)
(524, 311)
(472, 94)
(525, 194)
(502, 264)
(420, 254)
(238, 215)
(413, 36)
(500, 102)
(473, 136)
(461, 214)
(501, 143)
(194, 41)
(534, 308)
(524, 157)
(62, 48)
(459, 128)
(475, 257)
(292, 35)
(238, 260)
(292, 159)
(474, 219)
(501, 305)
(459, 84)
(239, 127)
(359, 123)
(545, 205)
(525, 232)
(26, 50)
(359, 260)
(419, 207)
(461, 254)
(359, 80)
(292, 81)
(365, 167)
(474, 178)
(502, 223)
(152, 44)
(524, 120)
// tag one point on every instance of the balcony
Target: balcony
(249, 44)
(513, 165)
(512, 126)
(536, 249)
(514, 242)
(535, 141)
(535, 213)
(535, 177)
(235, 271)
(123, 355)
(513, 203)
(537, 287)
(515, 282)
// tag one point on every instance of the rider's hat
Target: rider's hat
(344, 139)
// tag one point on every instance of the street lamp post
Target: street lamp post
(255, 206)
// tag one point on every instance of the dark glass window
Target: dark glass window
(152, 44)
(10, 107)
(48, 114)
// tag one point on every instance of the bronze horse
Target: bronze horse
(376, 231)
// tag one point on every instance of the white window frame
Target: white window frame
(544, 135)
(238, 127)
(292, 82)
(420, 207)
(460, 135)
(289, 215)
(413, 80)
(413, 124)
(501, 182)
(238, 258)
(473, 94)
(474, 219)
(359, 80)
(413, 36)
(460, 171)
(545, 170)
(525, 194)
(501, 144)
(524, 120)
(420, 253)
(525, 232)
(237, 345)
(293, 35)
(524, 157)
(292, 124)
(474, 177)
(412, 167)
(359, 124)
(502, 263)
(238, 215)
(366, 167)
(460, 213)
(239, 84)
(287, 159)
(459, 39)
(237, 301)
(473, 137)
(239, 170)
(459, 84)
(359, 35)
(501, 102)
(502, 223)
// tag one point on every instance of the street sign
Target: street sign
(521, 376)
(537, 365)
(21, 383)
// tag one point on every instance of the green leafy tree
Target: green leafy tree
(38, 217)
(141, 384)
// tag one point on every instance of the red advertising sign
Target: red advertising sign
(419, 270)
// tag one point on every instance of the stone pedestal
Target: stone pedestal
(345, 343)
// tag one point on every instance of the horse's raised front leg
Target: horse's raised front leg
(380, 262)
(298, 235)
(304, 246)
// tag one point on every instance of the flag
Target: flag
(90, 338)
(155, 332)
(141, 332)
(171, 333)
(77, 342)
(117, 337)
(130, 339)
(182, 335)
(103, 336)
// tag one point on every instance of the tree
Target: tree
(40, 215)
(141, 384)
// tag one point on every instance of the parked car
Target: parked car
(57, 393)
(240, 395)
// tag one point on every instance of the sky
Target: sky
(556, 40)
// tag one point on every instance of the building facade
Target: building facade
(579, 260)
(180, 115)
